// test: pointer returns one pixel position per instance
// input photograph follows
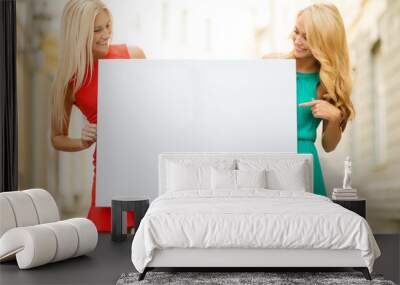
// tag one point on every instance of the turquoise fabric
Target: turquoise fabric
(307, 125)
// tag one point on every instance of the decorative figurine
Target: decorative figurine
(347, 173)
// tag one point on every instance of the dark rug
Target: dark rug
(229, 278)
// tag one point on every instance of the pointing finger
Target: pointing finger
(307, 104)
(310, 103)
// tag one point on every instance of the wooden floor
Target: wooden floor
(110, 260)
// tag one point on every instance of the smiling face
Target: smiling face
(299, 37)
(102, 34)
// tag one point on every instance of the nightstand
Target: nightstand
(358, 206)
(119, 207)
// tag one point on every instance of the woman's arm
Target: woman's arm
(136, 52)
(331, 124)
(332, 118)
(331, 133)
(61, 141)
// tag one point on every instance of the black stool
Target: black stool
(120, 206)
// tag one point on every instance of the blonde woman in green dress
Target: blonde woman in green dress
(323, 81)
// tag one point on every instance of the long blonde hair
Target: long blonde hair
(76, 55)
(326, 38)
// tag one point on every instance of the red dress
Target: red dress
(86, 101)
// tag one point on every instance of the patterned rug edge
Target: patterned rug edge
(268, 278)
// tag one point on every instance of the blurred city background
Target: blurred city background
(220, 29)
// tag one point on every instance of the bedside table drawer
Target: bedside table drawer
(357, 206)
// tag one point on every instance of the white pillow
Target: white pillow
(236, 179)
(188, 177)
(223, 179)
(282, 174)
(292, 178)
(251, 178)
(193, 173)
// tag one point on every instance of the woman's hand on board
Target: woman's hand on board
(88, 135)
(324, 110)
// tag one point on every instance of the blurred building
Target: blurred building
(375, 134)
(223, 29)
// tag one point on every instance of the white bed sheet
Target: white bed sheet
(250, 218)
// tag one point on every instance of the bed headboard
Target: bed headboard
(216, 156)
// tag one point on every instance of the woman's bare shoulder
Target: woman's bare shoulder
(136, 52)
(276, 55)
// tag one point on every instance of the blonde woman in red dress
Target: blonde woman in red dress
(85, 38)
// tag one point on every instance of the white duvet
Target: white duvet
(250, 218)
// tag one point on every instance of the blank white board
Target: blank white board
(146, 107)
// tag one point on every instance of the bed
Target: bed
(247, 210)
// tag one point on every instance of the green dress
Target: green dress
(307, 125)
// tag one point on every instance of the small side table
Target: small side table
(358, 206)
(120, 206)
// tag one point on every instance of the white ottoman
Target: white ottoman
(31, 232)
